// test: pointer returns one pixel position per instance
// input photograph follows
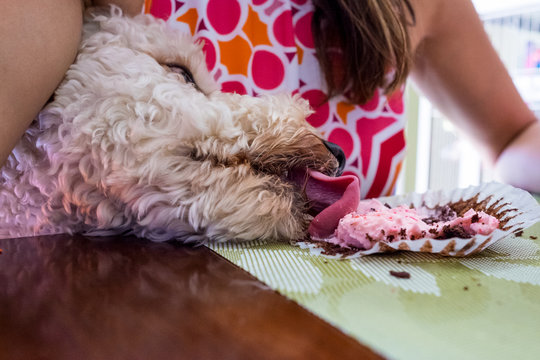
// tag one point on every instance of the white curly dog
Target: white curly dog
(139, 140)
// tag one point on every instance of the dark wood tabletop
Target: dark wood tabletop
(70, 297)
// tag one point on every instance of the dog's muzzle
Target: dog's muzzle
(338, 154)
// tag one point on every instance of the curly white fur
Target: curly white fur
(127, 146)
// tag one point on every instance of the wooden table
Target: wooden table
(68, 297)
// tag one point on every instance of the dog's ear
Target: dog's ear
(93, 16)
(93, 13)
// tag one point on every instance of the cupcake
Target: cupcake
(459, 222)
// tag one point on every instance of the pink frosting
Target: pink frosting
(373, 222)
(483, 226)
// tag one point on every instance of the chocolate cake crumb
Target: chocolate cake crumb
(465, 288)
(333, 249)
(403, 233)
(388, 206)
(530, 237)
(475, 218)
(400, 274)
(453, 231)
(441, 213)
(519, 233)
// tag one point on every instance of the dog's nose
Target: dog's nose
(339, 155)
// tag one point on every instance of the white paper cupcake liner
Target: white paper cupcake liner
(516, 209)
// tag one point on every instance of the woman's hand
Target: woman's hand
(519, 163)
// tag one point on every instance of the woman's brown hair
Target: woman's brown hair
(358, 42)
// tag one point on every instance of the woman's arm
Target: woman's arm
(38, 42)
(457, 68)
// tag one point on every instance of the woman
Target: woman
(365, 49)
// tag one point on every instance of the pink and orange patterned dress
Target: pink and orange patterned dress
(266, 46)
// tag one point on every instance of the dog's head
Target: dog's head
(150, 126)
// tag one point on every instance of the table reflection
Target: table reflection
(67, 297)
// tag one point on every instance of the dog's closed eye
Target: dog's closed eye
(184, 71)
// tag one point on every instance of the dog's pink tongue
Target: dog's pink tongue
(336, 196)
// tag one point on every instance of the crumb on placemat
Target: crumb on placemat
(333, 249)
(400, 274)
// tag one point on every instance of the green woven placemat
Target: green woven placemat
(481, 307)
